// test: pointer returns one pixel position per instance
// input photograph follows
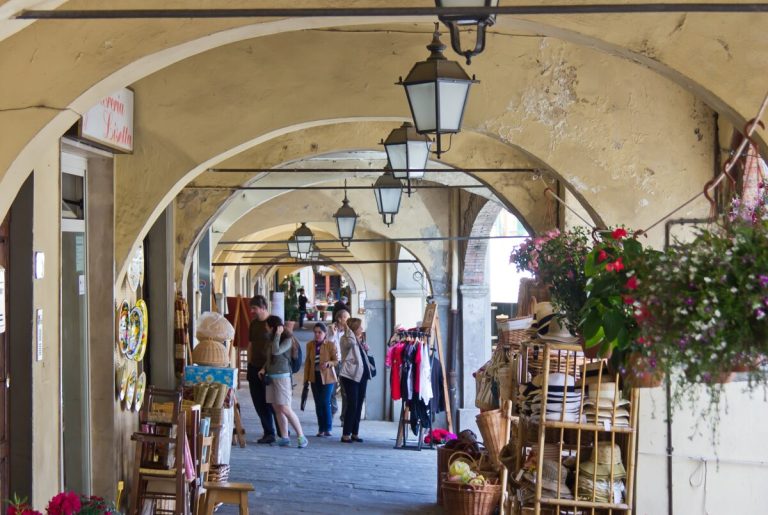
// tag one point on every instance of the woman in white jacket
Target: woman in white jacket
(355, 374)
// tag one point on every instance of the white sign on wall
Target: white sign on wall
(110, 122)
(39, 334)
(2, 299)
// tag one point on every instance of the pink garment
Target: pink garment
(396, 353)
(388, 357)
(189, 466)
(417, 372)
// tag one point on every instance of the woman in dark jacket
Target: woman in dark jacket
(355, 374)
(320, 372)
(280, 389)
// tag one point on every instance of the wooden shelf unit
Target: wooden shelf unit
(576, 439)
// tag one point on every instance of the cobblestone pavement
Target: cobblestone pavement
(330, 476)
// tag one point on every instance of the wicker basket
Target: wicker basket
(210, 353)
(491, 425)
(505, 377)
(443, 456)
(460, 499)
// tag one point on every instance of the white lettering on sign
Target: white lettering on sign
(39, 333)
(110, 122)
(2, 299)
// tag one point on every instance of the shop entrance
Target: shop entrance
(74, 327)
(4, 372)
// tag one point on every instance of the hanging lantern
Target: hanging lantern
(293, 247)
(407, 153)
(388, 191)
(455, 22)
(304, 238)
(437, 91)
(346, 220)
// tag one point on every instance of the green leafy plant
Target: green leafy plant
(609, 319)
(290, 287)
(557, 259)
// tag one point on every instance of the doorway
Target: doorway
(74, 327)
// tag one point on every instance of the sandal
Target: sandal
(346, 439)
(319, 435)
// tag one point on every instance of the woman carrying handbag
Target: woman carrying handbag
(320, 372)
(355, 374)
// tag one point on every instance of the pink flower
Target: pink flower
(602, 256)
(631, 283)
(618, 234)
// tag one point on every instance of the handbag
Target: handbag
(371, 365)
(304, 395)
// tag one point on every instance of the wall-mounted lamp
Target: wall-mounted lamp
(455, 22)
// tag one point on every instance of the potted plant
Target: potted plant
(557, 259)
(609, 319)
(707, 309)
(290, 287)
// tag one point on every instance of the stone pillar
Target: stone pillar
(376, 334)
(475, 345)
(204, 274)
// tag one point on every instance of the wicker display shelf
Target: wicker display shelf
(576, 439)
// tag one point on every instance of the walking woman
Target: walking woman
(320, 371)
(277, 371)
(355, 374)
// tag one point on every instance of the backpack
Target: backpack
(297, 356)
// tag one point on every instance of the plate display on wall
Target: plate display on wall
(124, 378)
(138, 354)
(136, 328)
(141, 385)
(123, 323)
(136, 269)
(130, 391)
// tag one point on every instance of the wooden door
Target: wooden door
(4, 372)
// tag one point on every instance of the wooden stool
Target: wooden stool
(228, 493)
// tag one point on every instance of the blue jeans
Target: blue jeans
(322, 395)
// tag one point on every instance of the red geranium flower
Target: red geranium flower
(618, 234)
(602, 256)
(616, 266)
(65, 503)
(631, 283)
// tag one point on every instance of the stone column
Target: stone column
(376, 334)
(475, 345)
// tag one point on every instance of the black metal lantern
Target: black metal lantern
(407, 153)
(388, 191)
(455, 22)
(293, 247)
(437, 91)
(346, 220)
(304, 239)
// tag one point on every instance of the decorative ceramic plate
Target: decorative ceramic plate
(130, 392)
(141, 385)
(136, 269)
(123, 326)
(136, 327)
(124, 377)
(142, 345)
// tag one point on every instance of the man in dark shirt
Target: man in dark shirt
(260, 338)
(343, 303)
(302, 307)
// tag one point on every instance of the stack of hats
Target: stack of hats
(553, 477)
(562, 402)
(556, 330)
(601, 403)
(595, 475)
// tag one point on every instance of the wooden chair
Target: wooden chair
(160, 461)
(159, 467)
(227, 493)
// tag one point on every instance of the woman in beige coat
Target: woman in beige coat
(320, 372)
(355, 374)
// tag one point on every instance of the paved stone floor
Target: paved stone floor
(330, 476)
